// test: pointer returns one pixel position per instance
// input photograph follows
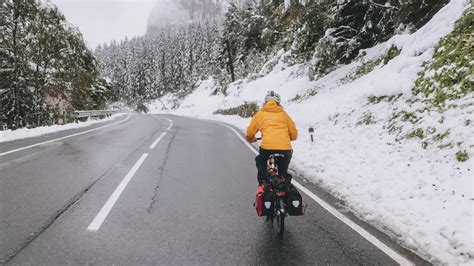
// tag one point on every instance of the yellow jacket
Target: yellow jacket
(277, 127)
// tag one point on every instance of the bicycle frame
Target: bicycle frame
(278, 193)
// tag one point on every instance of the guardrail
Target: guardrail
(92, 113)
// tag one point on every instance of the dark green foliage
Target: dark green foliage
(362, 70)
(368, 66)
(308, 94)
(439, 137)
(444, 83)
(310, 27)
(250, 36)
(46, 70)
(416, 13)
(386, 98)
(452, 63)
(462, 156)
(141, 107)
(362, 24)
(367, 119)
(100, 93)
(244, 110)
(417, 133)
(406, 117)
(392, 52)
(424, 144)
(257, 31)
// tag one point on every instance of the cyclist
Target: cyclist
(278, 130)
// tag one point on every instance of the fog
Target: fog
(102, 21)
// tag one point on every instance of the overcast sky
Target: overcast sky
(105, 20)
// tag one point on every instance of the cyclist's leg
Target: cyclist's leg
(284, 163)
(261, 162)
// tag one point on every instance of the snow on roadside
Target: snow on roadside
(421, 196)
(9, 135)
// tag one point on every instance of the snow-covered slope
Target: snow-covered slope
(419, 193)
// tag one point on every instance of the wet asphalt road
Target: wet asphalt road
(190, 202)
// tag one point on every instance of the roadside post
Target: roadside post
(311, 133)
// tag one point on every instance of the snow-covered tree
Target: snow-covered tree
(171, 60)
(173, 57)
(46, 69)
(362, 24)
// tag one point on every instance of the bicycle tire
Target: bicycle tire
(282, 225)
(280, 219)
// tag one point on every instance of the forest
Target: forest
(46, 70)
(324, 34)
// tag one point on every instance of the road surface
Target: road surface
(157, 190)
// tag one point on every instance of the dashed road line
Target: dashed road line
(104, 212)
(102, 215)
(171, 123)
(153, 145)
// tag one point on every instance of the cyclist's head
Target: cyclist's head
(271, 95)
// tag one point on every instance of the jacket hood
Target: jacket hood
(272, 106)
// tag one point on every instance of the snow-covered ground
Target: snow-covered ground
(9, 135)
(422, 196)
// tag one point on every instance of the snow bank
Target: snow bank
(9, 135)
(421, 196)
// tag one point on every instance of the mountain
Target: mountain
(184, 12)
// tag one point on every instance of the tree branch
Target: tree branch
(382, 6)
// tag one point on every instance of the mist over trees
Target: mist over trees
(171, 60)
(46, 71)
(167, 13)
(178, 53)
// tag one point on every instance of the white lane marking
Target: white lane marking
(153, 145)
(240, 137)
(65, 137)
(171, 123)
(102, 215)
(369, 237)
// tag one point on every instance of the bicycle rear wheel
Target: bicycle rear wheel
(281, 223)
(280, 217)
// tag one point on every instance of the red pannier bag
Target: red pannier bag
(263, 203)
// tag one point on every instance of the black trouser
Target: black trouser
(283, 163)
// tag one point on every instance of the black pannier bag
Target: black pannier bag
(294, 202)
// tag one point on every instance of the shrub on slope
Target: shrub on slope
(443, 97)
